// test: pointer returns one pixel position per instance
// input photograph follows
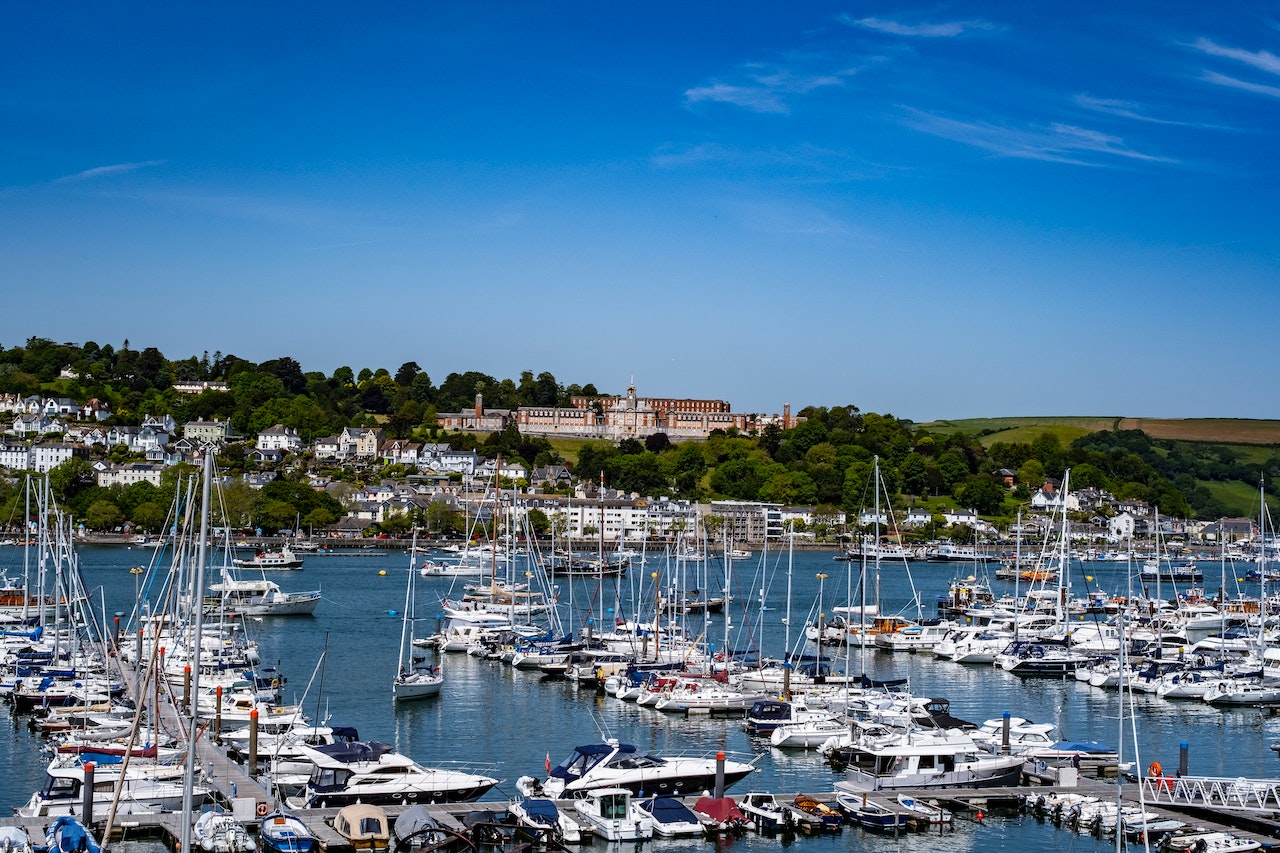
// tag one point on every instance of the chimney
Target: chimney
(786, 416)
(479, 406)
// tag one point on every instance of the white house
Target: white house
(45, 457)
(1120, 527)
(15, 457)
(280, 437)
(1049, 500)
(127, 475)
(917, 517)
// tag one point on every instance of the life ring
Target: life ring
(261, 810)
(1155, 769)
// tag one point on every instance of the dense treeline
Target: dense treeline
(826, 461)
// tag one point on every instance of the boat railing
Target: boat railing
(1236, 794)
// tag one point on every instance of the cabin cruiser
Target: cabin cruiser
(613, 816)
(270, 560)
(880, 758)
(147, 788)
(370, 772)
(618, 765)
(258, 597)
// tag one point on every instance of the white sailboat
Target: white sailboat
(413, 680)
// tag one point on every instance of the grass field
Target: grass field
(1240, 499)
(1218, 430)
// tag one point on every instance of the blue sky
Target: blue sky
(944, 210)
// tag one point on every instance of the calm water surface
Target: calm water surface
(490, 715)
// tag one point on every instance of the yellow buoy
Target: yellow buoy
(382, 573)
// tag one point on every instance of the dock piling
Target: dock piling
(1184, 758)
(86, 795)
(719, 775)
(253, 742)
(1004, 734)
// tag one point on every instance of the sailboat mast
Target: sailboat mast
(197, 604)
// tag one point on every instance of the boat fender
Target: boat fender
(261, 810)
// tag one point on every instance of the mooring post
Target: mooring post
(217, 715)
(786, 681)
(1004, 734)
(253, 742)
(719, 775)
(186, 687)
(1184, 761)
(86, 796)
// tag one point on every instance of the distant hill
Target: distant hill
(1215, 430)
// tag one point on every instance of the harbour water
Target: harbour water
(489, 715)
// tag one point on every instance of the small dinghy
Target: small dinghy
(68, 835)
(722, 814)
(14, 840)
(925, 812)
(416, 829)
(218, 832)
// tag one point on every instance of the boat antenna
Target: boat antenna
(324, 656)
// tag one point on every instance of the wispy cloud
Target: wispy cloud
(766, 88)
(948, 29)
(1263, 60)
(1121, 109)
(1243, 85)
(107, 171)
(1057, 142)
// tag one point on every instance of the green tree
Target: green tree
(103, 515)
(71, 478)
(148, 516)
(982, 493)
(1032, 474)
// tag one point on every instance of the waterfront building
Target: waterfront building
(750, 521)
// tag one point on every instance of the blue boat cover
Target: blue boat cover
(669, 810)
(541, 811)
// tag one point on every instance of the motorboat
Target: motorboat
(1040, 657)
(671, 817)
(216, 831)
(147, 788)
(766, 715)
(370, 772)
(810, 733)
(258, 597)
(613, 816)
(722, 814)
(542, 816)
(619, 765)
(364, 826)
(767, 813)
(879, 758)
(281, 832)
(266, 561)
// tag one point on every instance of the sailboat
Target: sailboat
(412, 681)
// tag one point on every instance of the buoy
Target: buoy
(261, 809)
(979, 816)
(382, 573)
(1155, 769)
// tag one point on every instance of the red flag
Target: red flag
(548, 762)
